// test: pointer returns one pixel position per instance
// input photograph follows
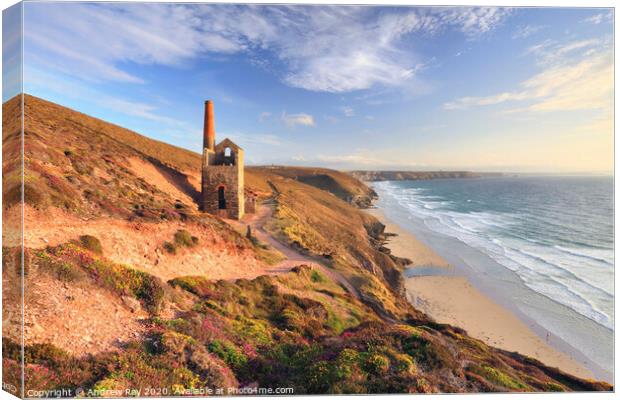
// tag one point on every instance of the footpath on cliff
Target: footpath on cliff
(294, 257)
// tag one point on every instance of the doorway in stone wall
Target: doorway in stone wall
(221, 198)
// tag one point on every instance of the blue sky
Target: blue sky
(343, 87)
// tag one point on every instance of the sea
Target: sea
(541, 245)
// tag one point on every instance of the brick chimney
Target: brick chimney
(209, 127)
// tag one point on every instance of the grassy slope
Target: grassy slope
(299, 329)
(346, 238)
(79, 163)
(341, 185)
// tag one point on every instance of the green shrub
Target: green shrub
(376, 363)
(198, 285)
(427, 353)
(151, 290)
(320, 377)
(554, 387)
(229, 353)
(500, 378)
(253, 330)
(62, 270)
(184, 238)
(38, 352)
(91, 243)
(214, 372)
(49, 367)
(346, 362)
(405, 364)
(69, 273)
(170, 248)
(105, 385)
(12, 196)
(174, 342)
(32, 196)
(290, 318)
(317, 277)
(118, 278)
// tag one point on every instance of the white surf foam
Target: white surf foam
(579, 278)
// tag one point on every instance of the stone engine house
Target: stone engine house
(222, 173)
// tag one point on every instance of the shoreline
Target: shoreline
(406, 245)
(449, 297)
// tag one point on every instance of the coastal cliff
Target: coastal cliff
(373, 176)
(128, 286)
(345, 187)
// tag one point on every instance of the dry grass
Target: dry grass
(299, 329)
(80, 164)
(290, 330)
(341, 185)
(319, 223)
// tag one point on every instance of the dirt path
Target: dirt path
(293, 256)
(139, 245)
(69, 316)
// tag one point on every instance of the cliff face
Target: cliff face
(371, 176)
(340, 184)
(346, 238)
(116, 249)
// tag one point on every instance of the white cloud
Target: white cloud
(347, 49)
(467, 102)
(265, 115)
(292, 120)
(252, 138)
(323, 48)
(348, 111)
(550, 52)
(41, 79)
(569, 81)
(358, 158)
(524, 31)
(136, 109)
(94, 40)
(474, 21)
(599, 18)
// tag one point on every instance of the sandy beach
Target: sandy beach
(452, 299)
(408, 246)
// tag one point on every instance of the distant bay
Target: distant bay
(553, 235)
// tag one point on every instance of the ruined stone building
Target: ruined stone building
(222, 173)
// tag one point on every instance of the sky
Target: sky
(346, 87)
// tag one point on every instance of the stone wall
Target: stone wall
(230, 177)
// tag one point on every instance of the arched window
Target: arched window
(221, 198)
(229, 156)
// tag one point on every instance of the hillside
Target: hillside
(88, 167)
(341, 185)
(129, 286)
